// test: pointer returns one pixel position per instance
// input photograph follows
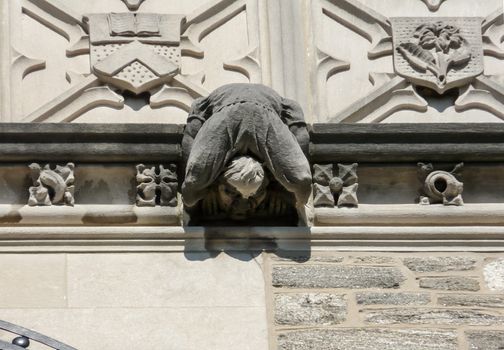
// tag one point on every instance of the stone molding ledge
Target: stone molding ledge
(24, 239)
(127, 215)
(411, 215)
(401, 215)
(111, 143)
(374, 143)
(399, 143)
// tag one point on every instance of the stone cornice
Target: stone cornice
(393, 143)
(374, 143)
(230, 239)
(107, 143)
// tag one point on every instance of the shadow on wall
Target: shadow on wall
(246, 243)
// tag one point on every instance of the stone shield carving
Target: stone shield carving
(135, 51)
(438, 53)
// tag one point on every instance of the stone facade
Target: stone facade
(406, 314)
(252, 174)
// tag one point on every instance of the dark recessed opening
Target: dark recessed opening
(436, 100)
(158, 196)
(51, 192)
(136, 102)
(440, 185)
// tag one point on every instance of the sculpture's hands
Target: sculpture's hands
(276, 204)
(210, 204)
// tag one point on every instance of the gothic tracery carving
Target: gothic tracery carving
(138, 57)
(395, 93)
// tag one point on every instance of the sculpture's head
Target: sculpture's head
(242, 187)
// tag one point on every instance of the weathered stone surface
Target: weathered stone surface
(368, 339)
(375, 298)
(432, 316)
(494, 275)
(485, 340)
(309, 258)
(439, 263)
(373, 259)
(337, 276)
(494, 301)
(308, 309)
(450, 283)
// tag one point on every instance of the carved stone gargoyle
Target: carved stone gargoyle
(52, 186)
(335, 187)
(244, 150)
(441, 186)
(156, 187)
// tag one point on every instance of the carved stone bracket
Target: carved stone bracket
(441, 186)
(52, 186)
(156, 186)
(331, 189)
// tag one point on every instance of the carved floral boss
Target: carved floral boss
(438, 53)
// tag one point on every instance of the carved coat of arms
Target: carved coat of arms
(438, 53)
(135, 51)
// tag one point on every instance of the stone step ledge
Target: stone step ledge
(412, 215)
(130, 215)
(24, 239)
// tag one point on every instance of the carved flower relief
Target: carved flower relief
(436, 47)
(439, 36)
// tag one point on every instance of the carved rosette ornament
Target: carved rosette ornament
(52, 186)
(135, 51)
(438, 53)
(156, 187)
(441, 186)
(335, 185)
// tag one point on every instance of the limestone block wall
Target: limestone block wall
(130, 300)
(401, 301)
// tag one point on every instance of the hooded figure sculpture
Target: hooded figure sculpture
(235, 132)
